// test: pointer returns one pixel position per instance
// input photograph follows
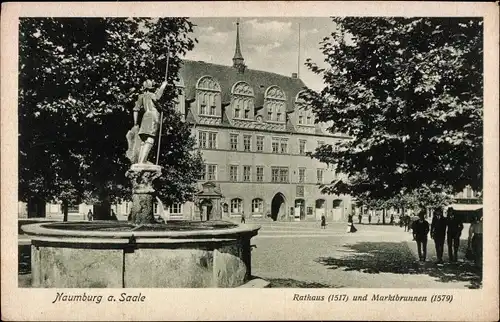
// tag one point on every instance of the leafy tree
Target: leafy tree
(78, 81)
(409, 92)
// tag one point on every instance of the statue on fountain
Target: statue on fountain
(140, 140)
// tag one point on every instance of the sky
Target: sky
(267, 43)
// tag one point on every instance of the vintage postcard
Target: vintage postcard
(250, 160)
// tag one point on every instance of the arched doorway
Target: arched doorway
(278, 208)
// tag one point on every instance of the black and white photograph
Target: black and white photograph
(253, 153)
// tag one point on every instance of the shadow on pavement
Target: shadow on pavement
(397, 258)
(291, 283)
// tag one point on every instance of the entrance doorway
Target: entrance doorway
(278, 208)
(206, 209)
(320, 208)
(337, 209)
(300, 209)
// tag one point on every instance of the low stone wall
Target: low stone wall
(143, 259)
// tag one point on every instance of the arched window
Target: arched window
(242, 96)
(304, 113)
(208, 93)
(275, 103)
(236, 206)
(257, 206)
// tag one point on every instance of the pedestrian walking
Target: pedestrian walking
(350, 225)
(438, 232)
(369, 219)
(420, 230)
(360, 217)
(90, 215)
(323, 222)
(392, 219)
(453, 232)
(242, 217)
(475, 240)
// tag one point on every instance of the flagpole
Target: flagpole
(161, 114)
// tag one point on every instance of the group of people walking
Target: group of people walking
(448, 229)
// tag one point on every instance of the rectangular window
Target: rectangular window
(176, 209)
(257, 206)
(237, 108)
(270, 113)
(233, 173)
(302, 147)
(284, 146)
(211, 172)
(203, 104)
(246, 173)
(212, 140)
(202, 140)
(302, 175)
(260, 143)
(247, 139)
(260, 174)
(236, 206)
(301, 119)
(283, 174)
(234, 142)
(203, 172)
(247, 114)
(278, 117)
(275, 144)
(213, 110)
(308, 119)
(319, 175)
(275, 174)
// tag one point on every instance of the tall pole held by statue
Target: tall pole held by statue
(161, 114)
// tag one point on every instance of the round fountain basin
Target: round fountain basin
(113, 254)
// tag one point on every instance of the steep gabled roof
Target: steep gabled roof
(227, 76)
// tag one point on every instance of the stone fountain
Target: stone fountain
(141, 253)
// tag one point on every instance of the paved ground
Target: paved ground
(303, 255)
(300, 254)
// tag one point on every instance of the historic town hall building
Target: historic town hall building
(254, 132)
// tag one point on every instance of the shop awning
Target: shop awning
(466, 207)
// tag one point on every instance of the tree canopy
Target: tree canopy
(409, 93)
(78, 82)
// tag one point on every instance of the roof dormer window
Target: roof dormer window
(208, 93)
(242, 98)
(275, 102)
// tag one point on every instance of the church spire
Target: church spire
(238, 60)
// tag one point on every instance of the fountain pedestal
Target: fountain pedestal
(142, 177)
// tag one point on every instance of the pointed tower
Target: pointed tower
(238, 60)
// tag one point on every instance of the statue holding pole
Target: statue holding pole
(141, 139)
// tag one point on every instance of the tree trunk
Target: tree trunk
(383, 216)
(65, 209)
(102, 210)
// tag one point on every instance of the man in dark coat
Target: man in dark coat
(438, 232)
(453, 233)
(420, 230)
